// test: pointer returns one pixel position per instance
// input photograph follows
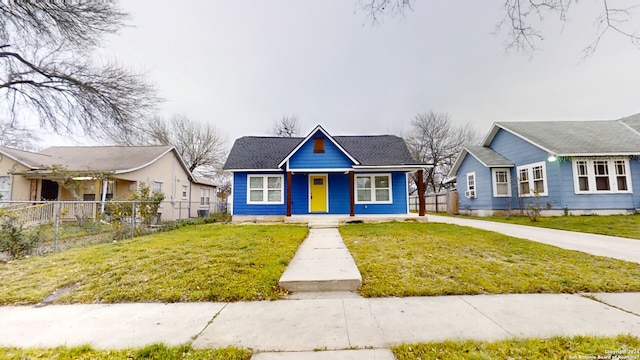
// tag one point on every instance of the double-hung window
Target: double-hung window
(601, 175)
(501, 182)
(205, 196)
(265, 189)
(471, 185)
(5, 187)
(532, 179)
(373, 189)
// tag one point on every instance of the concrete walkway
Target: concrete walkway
(321, 324)
(601, 245)
(322, 263)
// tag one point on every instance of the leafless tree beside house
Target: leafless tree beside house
(434, 139)
(48, 75)
(286, 126)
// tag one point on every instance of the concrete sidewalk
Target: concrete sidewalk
(601, 245)
(327, 324)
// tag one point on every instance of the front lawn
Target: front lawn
(157, 351)
(627, 226)
(193, 263)
(424, 259)
(578, 347)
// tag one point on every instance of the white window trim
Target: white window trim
(495, 185)
(591, 176)
(545, 179)
(265, 196)
(185, 191)
(471, 191)
(373, 189)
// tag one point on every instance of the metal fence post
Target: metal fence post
(56, 233)
(133, 219)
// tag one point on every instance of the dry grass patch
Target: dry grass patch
(578, 347)
(155, 352)
(423, 259)
(193, 263)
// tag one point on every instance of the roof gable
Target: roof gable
(486, 156)
(269, 153)
(312, 135)
(117, 159)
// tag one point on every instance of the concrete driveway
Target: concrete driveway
(601, 245)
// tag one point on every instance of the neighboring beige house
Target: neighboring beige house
(28, 176)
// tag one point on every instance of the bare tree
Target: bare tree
(47, 71)
(522, 17)
(17, 138)
(435, 140)
(201, 145)
(287, 126)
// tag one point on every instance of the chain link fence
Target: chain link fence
(62, 224)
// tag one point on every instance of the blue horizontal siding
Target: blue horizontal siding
(331, 158)
(240, 206)
(338, 196)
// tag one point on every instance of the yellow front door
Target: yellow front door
(318, 193)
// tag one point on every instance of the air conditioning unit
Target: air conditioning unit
(470, 194)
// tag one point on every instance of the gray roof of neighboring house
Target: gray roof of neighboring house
(118, 159)
(610, 137)
(107, 158)
(253, 152)
(488, 157)
(29, 159)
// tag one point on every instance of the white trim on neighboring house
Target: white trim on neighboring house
(533, 174)
(611, 180)
(372, 189)
(471, 189)
(326, 195)
(265, 189)
(254, 170)
(507, 182)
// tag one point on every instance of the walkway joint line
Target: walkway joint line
(195, 337)
(485, 315)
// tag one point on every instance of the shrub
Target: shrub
(14, 239)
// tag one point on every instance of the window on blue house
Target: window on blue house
(265, 189)
(601, 175)
(501, 182)
(373, 188)
(532, 179)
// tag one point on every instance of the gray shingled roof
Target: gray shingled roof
(107, 158)
(252, 152)
(488, 157)
(578, 137)
(29, 159)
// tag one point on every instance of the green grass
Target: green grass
(627, 226)
(579, 347)
(156, 352)
(424, 259)
(193, 263)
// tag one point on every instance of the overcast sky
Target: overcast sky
(243, 64)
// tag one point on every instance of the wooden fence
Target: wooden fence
(445, 202)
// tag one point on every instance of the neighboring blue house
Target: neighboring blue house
(584, 167)
(321, 174)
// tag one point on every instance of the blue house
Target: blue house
(321, 174)
(583, 167)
